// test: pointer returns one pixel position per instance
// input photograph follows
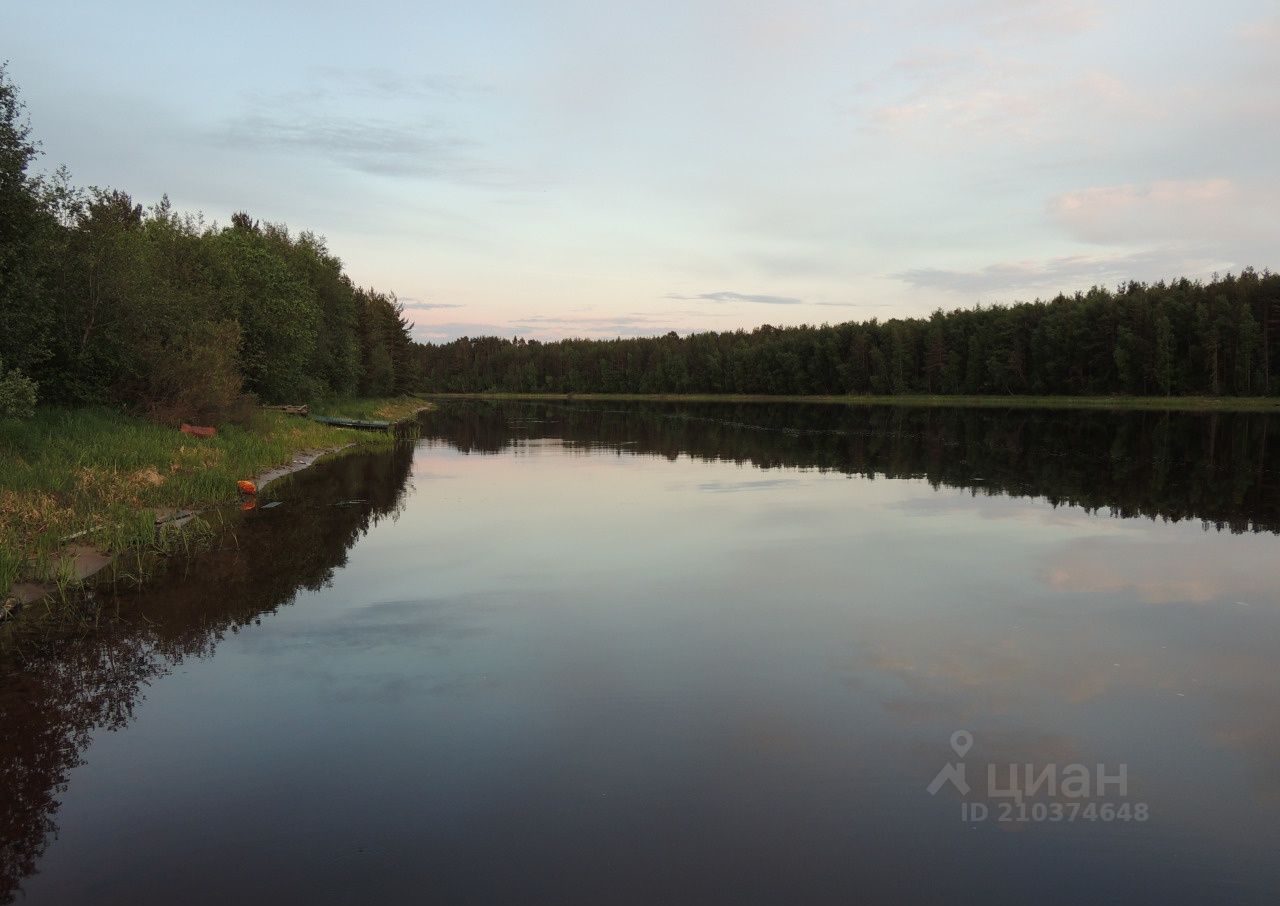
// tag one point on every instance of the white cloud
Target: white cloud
(726, 296)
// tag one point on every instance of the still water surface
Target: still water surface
(606, 653)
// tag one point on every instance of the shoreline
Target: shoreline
(86, 560)
(1104, 403)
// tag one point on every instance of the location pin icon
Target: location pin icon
(961, 742)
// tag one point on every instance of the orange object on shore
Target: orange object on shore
(197, 430)
(247, 487)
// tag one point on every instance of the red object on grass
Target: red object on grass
(197, 430)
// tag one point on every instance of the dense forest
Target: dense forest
(1165, 339)
(103, 301)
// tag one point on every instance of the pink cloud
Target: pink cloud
(989, 98)
(1263, 31)
(1046, 18)
(1018, 20)
(1193, 210)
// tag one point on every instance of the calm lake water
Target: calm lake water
(640, 653)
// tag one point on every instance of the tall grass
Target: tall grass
(390, 409)
(98, 476)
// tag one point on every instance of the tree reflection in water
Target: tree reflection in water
(61, 683)
(1219, 467)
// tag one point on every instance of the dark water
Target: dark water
(655, 654)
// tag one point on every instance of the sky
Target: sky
(605, 169)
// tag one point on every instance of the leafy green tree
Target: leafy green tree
(24, 223)
(103, 301)
(17, 394)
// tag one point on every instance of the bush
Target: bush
(17, 394)
(194, 376)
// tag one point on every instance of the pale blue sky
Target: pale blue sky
(604, 169)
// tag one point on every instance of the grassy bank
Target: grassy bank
(385, 409)
(106, 474)
(1158, 403)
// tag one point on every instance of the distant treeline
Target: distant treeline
(103, 301)
(1180, 338)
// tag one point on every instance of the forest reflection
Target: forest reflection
(62, 682)
(1222, 468)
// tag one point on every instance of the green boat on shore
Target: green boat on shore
(366, 424)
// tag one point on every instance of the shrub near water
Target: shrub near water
(194, 376)
(17, 394)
